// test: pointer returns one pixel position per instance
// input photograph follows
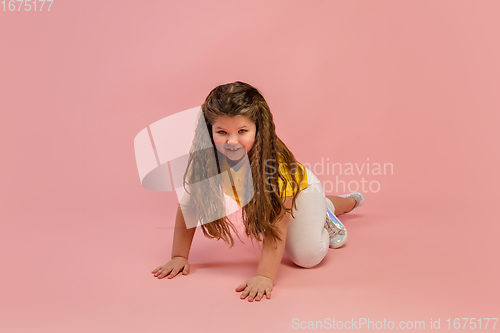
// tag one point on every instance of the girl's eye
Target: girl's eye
(243, 131)
(221, 132)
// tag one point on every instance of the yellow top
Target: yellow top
(239, 175)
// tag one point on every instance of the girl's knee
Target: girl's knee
(307, 260)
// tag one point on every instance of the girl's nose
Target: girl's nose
(232, 140)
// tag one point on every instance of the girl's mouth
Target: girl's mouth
(231, 148)
(234, 152)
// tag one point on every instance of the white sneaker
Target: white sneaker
(336, 230)
(357, 196)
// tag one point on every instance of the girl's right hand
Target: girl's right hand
(172, 268)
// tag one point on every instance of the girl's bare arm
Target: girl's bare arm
(270, 257)
(183, 237)
(269, 263)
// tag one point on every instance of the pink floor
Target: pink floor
(409, 84)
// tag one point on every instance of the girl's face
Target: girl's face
(234, 136)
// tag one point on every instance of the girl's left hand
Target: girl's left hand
(255, 288)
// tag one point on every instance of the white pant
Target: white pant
(307, 240)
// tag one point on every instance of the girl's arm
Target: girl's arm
(270, 257)
(183, 237)
(269, 262)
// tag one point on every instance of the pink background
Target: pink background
(412, 83)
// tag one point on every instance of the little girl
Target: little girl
(282, 203)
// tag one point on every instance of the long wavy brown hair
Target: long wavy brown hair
(266, 206)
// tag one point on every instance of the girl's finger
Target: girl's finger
(173, 273)
(268, 293)
(259, 295)
(245, 293)
(241, 287)
(185, 270)
(252, 294)
(163, 273)
(158, 272)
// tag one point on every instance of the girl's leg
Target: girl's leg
(307, 241)
(342, 205)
